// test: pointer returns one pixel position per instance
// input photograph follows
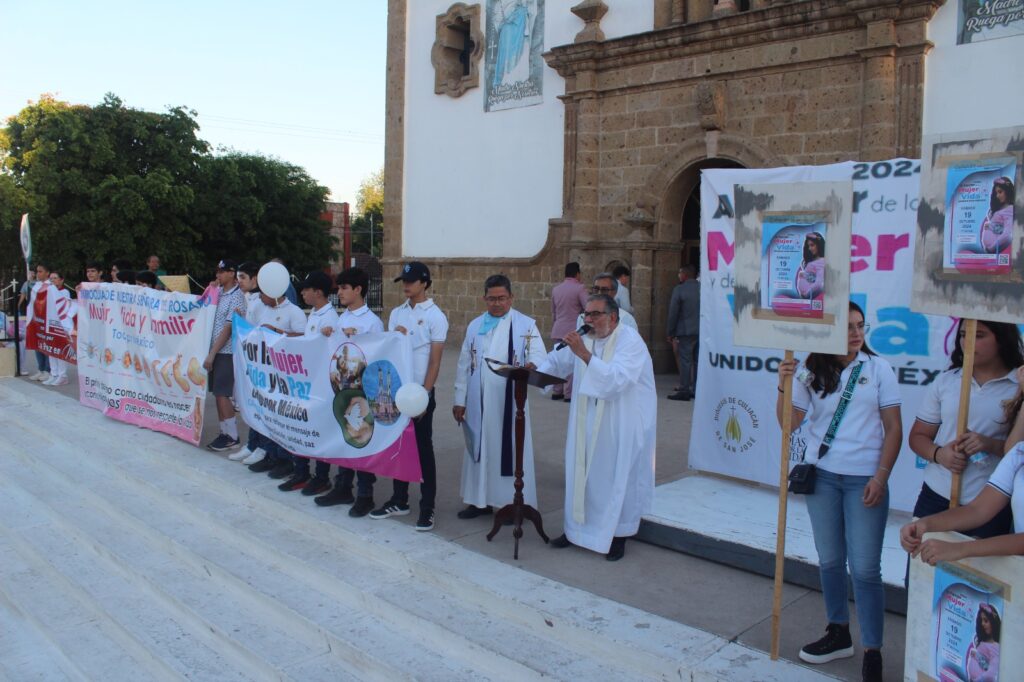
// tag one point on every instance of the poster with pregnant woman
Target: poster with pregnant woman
(967, 616)
(793, 264)
(979, 215)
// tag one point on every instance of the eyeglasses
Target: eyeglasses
(601, 290)
(593, 313)
(496, 299)
(863, 328)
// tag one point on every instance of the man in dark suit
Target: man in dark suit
(684, 328)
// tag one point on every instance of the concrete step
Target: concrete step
(278, 588)
(25, 651)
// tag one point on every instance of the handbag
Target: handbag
(804, 475)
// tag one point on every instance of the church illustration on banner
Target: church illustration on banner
(381, 382)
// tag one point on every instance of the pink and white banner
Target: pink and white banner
(140, 356)
(329, 398)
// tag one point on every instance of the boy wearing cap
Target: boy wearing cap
(219, 363)
(427, 326)
(357, 318)
(323, 319)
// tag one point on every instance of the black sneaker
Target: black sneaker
(390, 508)
(265, 464)
(871, 668)
(471, 512)
(426, 520)
(362, 507)
(316, 485)
(336, 496)
(835, 644)
(617, 549)
(296, 482)
(223, 442)
(281, 470)
(561, 542)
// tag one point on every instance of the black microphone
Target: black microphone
(585, 329)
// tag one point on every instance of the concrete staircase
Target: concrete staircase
(127, 555)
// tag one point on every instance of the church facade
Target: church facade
(524, 134)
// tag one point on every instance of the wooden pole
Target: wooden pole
(970, 332)
(780, 541)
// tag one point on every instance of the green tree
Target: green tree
(256, 208)
(106, 182)
(368, 223)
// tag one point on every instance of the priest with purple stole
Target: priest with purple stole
(484, 404)
(609, 448)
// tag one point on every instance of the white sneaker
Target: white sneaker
(257, 455)
(240, 455)
(32, 377)
(41, 376)
(57, 381)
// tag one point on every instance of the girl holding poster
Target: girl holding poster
(1005, 489)
(810, 276)
(997, 229)
(997, 353)
(852, 406)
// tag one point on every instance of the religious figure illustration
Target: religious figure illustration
(515, 24)
(348, 364)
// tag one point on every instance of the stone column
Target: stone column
(878, 106)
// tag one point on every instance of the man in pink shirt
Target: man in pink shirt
(567, 302)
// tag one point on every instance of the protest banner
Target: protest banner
(52, 318)
(141, 355)
(329, 398)
(736, 391)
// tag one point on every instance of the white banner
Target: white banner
(736, 388)
(140, 356)
(332, 398)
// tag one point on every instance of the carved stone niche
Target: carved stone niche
(457, 49)
(710, 100)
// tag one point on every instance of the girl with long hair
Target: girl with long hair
(850, 503)
(975, 454)
(997, 228)
(1004, 491)
(810, 276)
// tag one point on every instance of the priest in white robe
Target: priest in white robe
(484, 405)
(609, 448)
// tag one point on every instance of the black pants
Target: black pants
(930, 502)
(424, 426)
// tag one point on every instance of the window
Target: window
(457, 50)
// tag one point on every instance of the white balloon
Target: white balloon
(412, 399)
(273, 279)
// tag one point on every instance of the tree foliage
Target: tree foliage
(109, 182)
(368, 223)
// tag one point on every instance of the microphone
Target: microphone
(585, 329)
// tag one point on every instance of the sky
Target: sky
(302, 81)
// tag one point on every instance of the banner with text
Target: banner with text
(141, 355)
(329, 398)
(736, 391)
(51, 322)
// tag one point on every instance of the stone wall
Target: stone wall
(785, 83)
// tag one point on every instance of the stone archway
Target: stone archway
(672, 199)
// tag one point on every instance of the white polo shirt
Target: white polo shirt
(939, 408)
(363, 320)
(857, 447)
(425, 324)
(1008, 478)
(253, 307)
(325, 316)
(285, 316)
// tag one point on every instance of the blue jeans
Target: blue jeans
(42, 362)
(847, 531)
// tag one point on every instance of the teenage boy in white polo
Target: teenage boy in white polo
(220, 362)
(322, 321)
(356, 318)
(427, 326)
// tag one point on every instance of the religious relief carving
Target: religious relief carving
(591, 12)
(457, 49)
(711, 104)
